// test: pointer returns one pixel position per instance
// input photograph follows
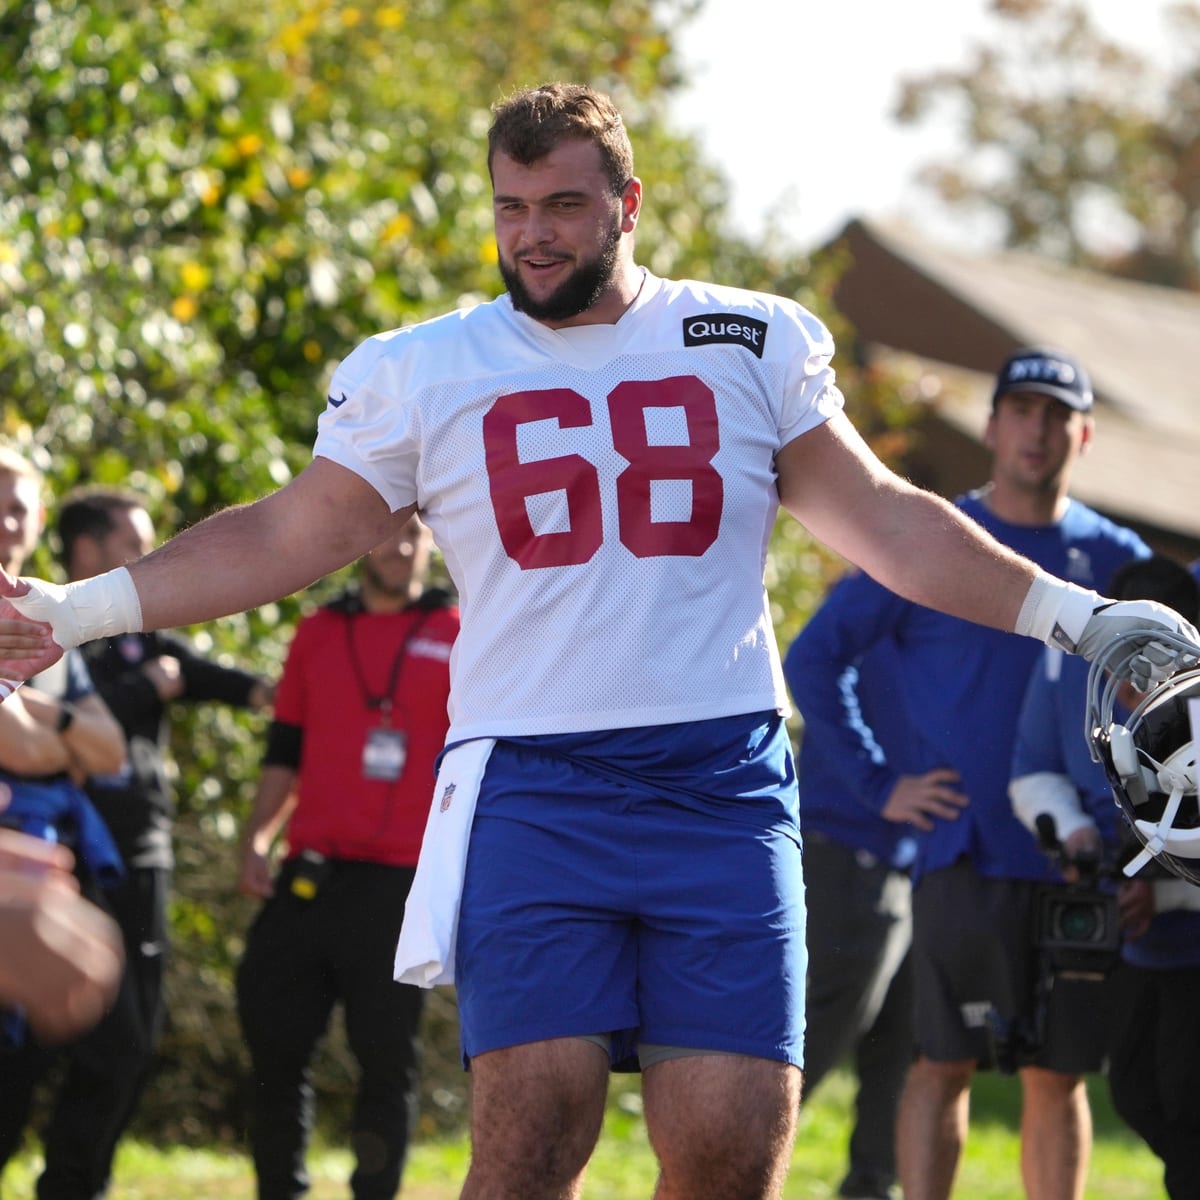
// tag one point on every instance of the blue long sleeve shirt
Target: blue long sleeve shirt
(854, 750)
(963, 684)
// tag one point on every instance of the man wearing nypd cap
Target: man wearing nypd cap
(973, 946)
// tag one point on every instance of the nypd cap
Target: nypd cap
(1047, 372)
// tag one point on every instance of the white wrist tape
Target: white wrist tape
(80, 612)
(1056, 612)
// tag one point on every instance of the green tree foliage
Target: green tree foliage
(1081, 149)
(204, 205)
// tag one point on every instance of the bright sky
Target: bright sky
(794, 99)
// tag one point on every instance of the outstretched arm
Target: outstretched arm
(242, 557)
(921, 547)
(913, 542)
(235, 560)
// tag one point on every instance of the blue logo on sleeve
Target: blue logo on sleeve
(338, 403)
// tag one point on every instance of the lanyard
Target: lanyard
(384, 701)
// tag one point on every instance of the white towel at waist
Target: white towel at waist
(425, 952)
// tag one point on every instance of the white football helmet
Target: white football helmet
(1151, 759)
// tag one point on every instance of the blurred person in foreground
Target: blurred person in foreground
(57, 734)
(60, 955)
(611, 871)
(141, 677)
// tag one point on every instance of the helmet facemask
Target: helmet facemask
(1151, 761)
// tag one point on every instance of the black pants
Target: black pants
(105, 1070)
(1154, 1063)
(859, 992)
(302, 957)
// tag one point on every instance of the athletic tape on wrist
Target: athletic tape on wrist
(1056, 612)
(105, 605)
(80, 612)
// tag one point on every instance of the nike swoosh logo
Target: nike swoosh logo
(338, 403)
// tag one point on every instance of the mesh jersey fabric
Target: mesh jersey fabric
(584, 485)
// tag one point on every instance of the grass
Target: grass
(623, 1167)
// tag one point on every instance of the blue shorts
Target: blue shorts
(644, 884)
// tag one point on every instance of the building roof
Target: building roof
(958, 315)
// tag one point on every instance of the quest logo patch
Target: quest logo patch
(723, 327)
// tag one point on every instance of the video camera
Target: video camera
(1077, 939)
(1076, 927)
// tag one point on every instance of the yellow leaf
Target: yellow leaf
(399, 226)
(195, 276)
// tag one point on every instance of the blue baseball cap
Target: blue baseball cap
(1047, 372)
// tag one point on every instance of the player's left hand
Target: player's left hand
(1144, 658)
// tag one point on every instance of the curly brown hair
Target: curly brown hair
(531, 122)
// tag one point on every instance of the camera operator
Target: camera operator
(1153, 1043)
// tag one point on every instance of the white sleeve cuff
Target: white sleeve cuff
(1054, 795)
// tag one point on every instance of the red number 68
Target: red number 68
(511, 481)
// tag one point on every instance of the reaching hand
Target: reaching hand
(1155, 641)
(26, 646)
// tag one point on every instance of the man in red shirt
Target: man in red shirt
(360, 717)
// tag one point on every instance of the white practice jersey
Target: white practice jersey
(603, 496)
